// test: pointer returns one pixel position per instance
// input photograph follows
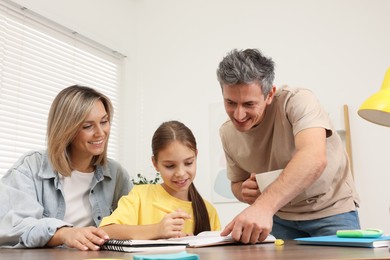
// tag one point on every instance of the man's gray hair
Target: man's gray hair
(246, 66)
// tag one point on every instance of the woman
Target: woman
(59, 196)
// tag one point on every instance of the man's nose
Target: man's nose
(239, 113)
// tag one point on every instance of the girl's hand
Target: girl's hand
(172, 224)
(87, 238)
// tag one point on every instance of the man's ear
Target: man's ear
(270, 95)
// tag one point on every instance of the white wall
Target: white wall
(337, 48)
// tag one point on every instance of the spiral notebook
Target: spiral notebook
(134, 246)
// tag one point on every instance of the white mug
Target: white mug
(266, 178)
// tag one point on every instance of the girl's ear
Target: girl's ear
(154, 163)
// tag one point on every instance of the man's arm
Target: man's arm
(306, 165)
(304, 168)
(236, 189)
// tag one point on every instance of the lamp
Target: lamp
(376, 108)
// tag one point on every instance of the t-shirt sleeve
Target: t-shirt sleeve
(126, 212)
(215, 223)
(305, 111)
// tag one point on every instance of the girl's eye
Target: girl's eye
(188, 163)
(87, 126)
(169, 166)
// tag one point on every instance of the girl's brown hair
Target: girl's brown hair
(165, 134)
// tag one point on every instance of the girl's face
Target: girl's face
(177, 166)
(93, 134)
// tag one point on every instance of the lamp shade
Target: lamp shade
(376, 108)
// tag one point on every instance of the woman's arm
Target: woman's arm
(86, 238)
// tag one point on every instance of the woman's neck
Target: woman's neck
(82, 164)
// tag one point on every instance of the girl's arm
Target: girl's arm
(170, 226)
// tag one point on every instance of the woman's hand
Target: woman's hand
(87, 238)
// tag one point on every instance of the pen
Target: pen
(165, 209)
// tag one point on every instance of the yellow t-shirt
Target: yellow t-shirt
(137, 208)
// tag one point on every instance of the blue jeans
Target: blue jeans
(290, 229)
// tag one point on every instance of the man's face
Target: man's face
(245, 104)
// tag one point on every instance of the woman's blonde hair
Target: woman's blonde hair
(67, 113)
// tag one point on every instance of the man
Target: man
(284, 129)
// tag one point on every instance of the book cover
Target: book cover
(345, 241)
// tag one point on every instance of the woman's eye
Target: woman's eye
(87, 126)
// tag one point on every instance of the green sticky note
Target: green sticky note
(179, 256)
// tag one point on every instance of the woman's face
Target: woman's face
(177, 166)
(93, 134)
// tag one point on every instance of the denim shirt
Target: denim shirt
(32, 205)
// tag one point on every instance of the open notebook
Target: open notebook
(212, 238)
(203, 239)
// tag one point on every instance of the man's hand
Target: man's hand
(252, 225)
(87, 238)
(249, 190)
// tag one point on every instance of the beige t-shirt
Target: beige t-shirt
(270, 146)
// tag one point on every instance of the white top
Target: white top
(76, 188)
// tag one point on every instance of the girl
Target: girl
(173, 208)
(59, 196)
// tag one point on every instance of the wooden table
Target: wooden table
(245, 252)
